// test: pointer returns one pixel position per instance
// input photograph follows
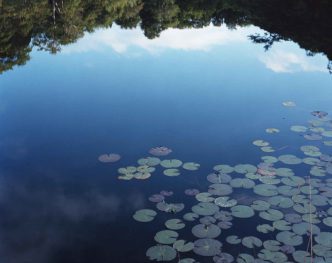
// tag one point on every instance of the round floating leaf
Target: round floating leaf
(327, 143)
(207, 247)
(206, 231)
(272, 245)
(287, 249)
(166, 237)
(265, 190)
(172, 172)
(145, 169)
(327, 133)
(313, 137)
(161, 253)
(190, 216)
(293, 218)
(293, 181)
(304, 208)
(288, 190)
(272, 256)
(267, 149)
(260, 143)
(233, 240)
(253, 176)
(260, 205)
(284, 172)
(205, 209)
(290, 159)
(272, 130)
(298, 128)
(245, 258)
(127, 170)
(204, 197)
(280, 201)
(156, 198)
(223, 216)
(304, 228)
(223, 258)
(271, 215)
(242, 211)
(126, 177)
(219, 178)
(207, 220)
(324, 238)
(242, 183)
(301, 256)
(265, 228)
(245, 168)
(160, 151)
(317, 171)
(174, 224)
(289, 103)
(191, 192)
(269, 180)
(173, 163)
(289, 238)
(225, 201)
(269, 159)
(187, 260)
(149, 161)
(319, 200)
(109, 158)
(220, 189)
(144, 215)
(311, 218)
(322, 251)
(225, 224)
(142, 176)
(170, 208)
(311, 161)
(282, 225)
(183, 246)
(191, 166)
(328, 221)
(251, 242)
(223, 168)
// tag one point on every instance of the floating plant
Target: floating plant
(144, 215)
(161, 253)
(160, 151)
(109, 158)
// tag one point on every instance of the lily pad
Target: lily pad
(242, 211)
(109, 158)
(289, 238)
(223, 258)
(260, 205)
(265, 228)
(166, 237)
(191, 192)
(144, 215)
(183, 246)
(223, 168)
(293, 218)
(173, 163)
(251, 242)
(160, 151)
(282, 225)
(170, 208)
(204, 197)
(233, 240)
(171, 172)
(272, 130)
(293, 181)
(289, 103)
(269, 159)
(190, 216)
(156, 198)
(225, 201)
(328, 221)
(206, 231)
(324, 238)
(265, 190)
(281, 201)
(290, 159)
(219, 178)
(191, 166)
(161, 253)
(225, 224)
(298, 128)
(174, 224)
(260, 143)
(220, 189)
(242, 183)
(271, 215)
(207, 247)
(284, 172)
(245, 168)
(301, 256)
(267, 149)
(245, 258)
(207, 220)
(205, 209)
(305, 228)
(149, 161)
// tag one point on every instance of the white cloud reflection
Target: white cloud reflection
(121, 41)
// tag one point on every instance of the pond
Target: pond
(174, 131)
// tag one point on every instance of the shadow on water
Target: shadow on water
(48, 25)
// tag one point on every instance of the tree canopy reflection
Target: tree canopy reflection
(47, 25)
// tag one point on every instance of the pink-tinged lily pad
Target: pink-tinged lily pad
(156, 198)
(109, 158)
(160, 151)
(166, 193)
(288, 249)
(191, 192)
(319, 114)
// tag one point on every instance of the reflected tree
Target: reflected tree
(49, 24)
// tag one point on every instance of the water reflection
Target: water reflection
(48, 25)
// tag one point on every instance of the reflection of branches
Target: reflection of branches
(267, 39)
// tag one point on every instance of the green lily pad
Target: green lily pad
(242, 183)
(166, 237)
(298, 128)
(317, 171)
(207, 247)
(149, 161)
(219, 178)
(272, 256)
(225, 201)
(327, 143)
(260, 143)
(260, 205)
(304, 228)
(324, 238)
(220, 189)
(322, 251)
(173, 163)
(327, 133)
(293, 181)
(191, 166)
(187, 260)
(265, 190)
(289, 159)
(289, 238)
(223, 168)
(272, 245)
(282, 225)
(233, 240)
(245, 258)
(190, 216)
(311, 161)
(288, 190)
(205, 209)
(127, 170)
(304, 208)
(245, 168)
(265, 228)
(251, 242)
(328, 221)
(271, 215)
(302, 256)
(144, 215)
(284, 172)
(311, 218)
(206, 231)
(183, 246)
(272, 130)
(161, 253)
(242, 211)
(267, 149)
(204, 197)
(269, 159)
(174, 224)
(172, 172)
(269, 180)
(281, 201)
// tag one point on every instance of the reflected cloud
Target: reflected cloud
(120, 40)
(281, 61)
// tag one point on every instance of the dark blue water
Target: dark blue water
(59, 113)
